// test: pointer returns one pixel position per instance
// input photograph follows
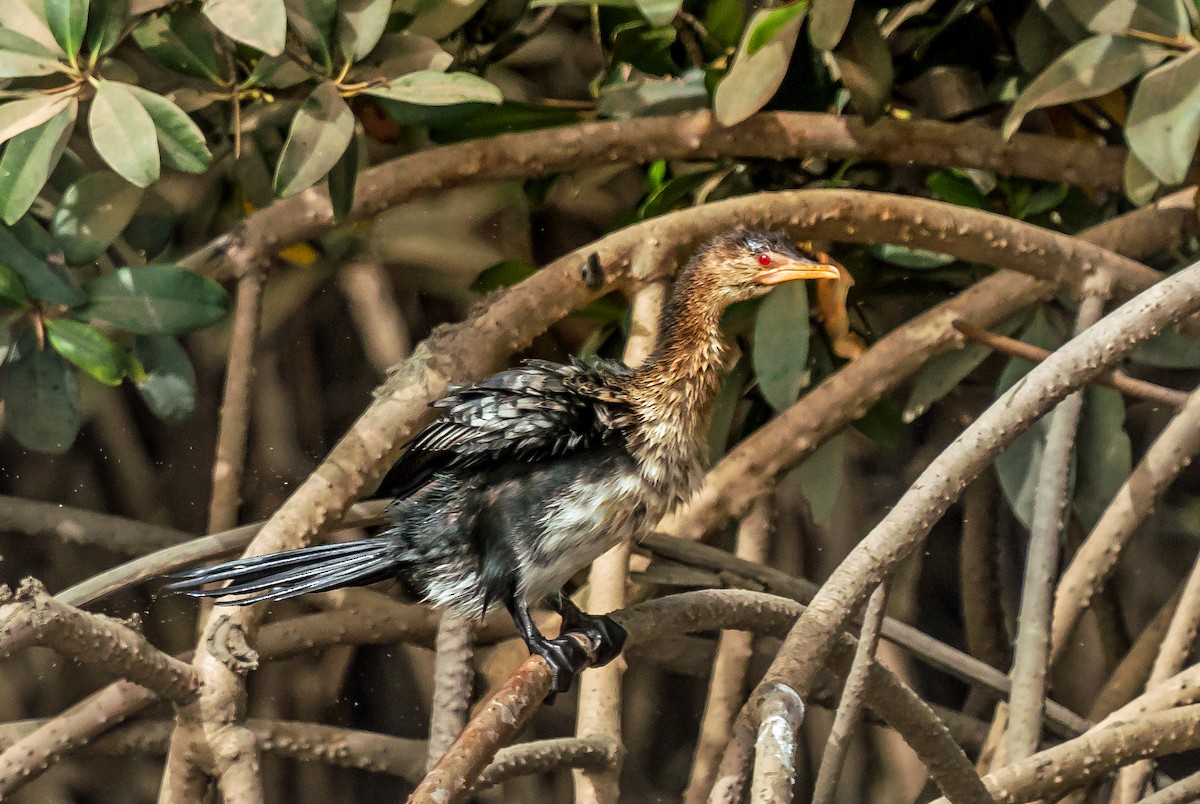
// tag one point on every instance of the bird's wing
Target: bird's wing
(538, 411)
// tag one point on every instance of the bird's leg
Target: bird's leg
(566, 656)
(607, 637)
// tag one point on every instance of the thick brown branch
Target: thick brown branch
(695, 135)
(33, 617)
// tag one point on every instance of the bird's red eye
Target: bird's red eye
(764, 259)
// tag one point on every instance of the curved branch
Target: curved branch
(1094, 755)
(926, 501)
(33, 618)
(117, 533)
(693, 135)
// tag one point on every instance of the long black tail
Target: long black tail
(279, 576)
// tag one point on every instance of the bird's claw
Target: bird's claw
(606, 636)
(567, 658)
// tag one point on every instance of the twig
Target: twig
(775, 749)
(1095, 754)
(1171, 451)
(1131, 673)
(1184, 791)
(1041, 565)
(983, 624)
(33, 618)
(599, 710)
(1117, 380)
(850, 708)
(727, 685)
(453, 675)
(694, 135)
(78, 526)
(234, 420)
(914, 514)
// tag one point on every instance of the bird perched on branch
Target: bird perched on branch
(526, 477)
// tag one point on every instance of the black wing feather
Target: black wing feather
(537, 411)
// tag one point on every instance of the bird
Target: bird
(526, 477)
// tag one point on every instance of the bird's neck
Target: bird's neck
(673, 391)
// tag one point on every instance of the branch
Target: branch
(694, 135)
(1094, 755)
(727, 684)
(1171, 451)
(32, 617)
(234, 419)
(1041, 565)
(453, 675)
(926, 501)
(76, 525)
(850, 708)
(775, 748)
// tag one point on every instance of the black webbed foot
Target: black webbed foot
(567, 658)
(606, 636)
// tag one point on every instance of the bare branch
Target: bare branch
(694, 135)
(76, 525)
(1064, 767)
(1041, 565)
(850, 708)
(914, 514)
(452, 681)
(234, 420)
(1175, 446)
(33, 617)
(775, 749)
(371, 299)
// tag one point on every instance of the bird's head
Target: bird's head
(742, 264)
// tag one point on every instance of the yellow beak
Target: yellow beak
(786, 267)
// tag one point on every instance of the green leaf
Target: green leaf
(180, 141)
(1094, 67)
(865, 64)
(29, 159)
(1018, 466)
(12, 292)
(161, 299)
(28, 18)
(659, 12)
(828, 22)
(181, 42)
(21, 115)
(917, 259)
(1044, 199)
(723, 21)
(41, 400)
(21, 56)
(341, 181)
(320, 133)
(1105, 454)
(821, 476)
(93, 213)
(312, 23)
(772, 23)
(261, 24)
(43, 279)
(67, 20)
(169, 388)
(953, 187)
(754, 77)
(502, 275)
(780, 351)
(1163, 125)
(360, 26)
(106, 21)
(671, 193)
(436, 88)
(123, 133)
(733, 388)
(942, 374)
(89, 349)
(1139, 183)
(883, 423)
(1169, 349)
(1166, 18)
(648, 97)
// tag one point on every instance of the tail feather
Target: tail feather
(280, 576)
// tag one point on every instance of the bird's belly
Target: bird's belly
(581, 525)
